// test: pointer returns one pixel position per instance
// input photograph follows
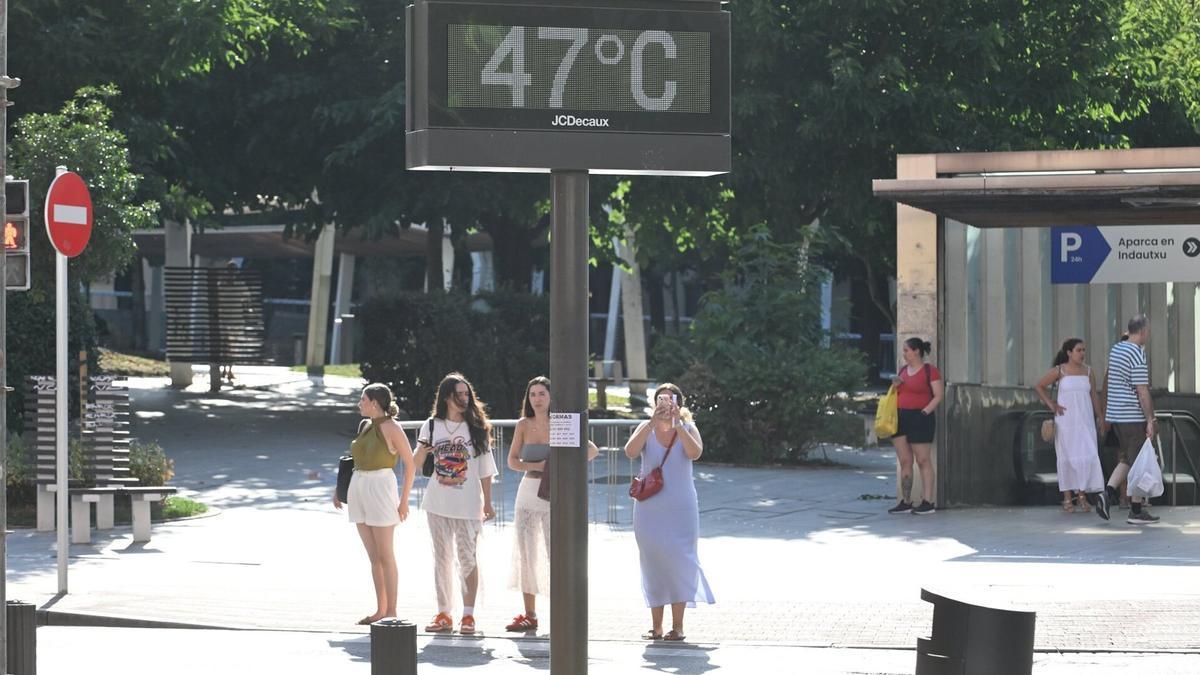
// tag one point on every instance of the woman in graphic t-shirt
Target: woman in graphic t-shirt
(919, 392)
(531, 520)
(458, 498)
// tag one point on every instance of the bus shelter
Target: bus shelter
(1003, 256)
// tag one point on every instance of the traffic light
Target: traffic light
(16, 234)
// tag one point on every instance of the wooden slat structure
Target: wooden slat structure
(106, 460)
(214, 315)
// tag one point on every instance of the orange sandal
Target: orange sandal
(442, 623)
(467, 625)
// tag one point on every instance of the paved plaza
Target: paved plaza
(804, 563)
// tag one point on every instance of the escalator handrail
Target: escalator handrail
(1174, 416)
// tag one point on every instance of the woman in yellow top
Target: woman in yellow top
(376, 505)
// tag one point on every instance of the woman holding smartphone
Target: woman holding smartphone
(667, 525)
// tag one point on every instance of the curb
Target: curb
(51, 617)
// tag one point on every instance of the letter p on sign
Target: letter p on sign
(1071, 242)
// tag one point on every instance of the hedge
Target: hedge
(497, 340)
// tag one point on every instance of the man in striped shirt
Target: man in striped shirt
(1130, 411)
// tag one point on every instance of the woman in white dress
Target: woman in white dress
(1077, 418)
(531, 522)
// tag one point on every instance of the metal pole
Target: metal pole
(568, 470)
(4, 341)
(60, 409)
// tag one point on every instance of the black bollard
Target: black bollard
(22, 638)
(972, 639)
(393, 647)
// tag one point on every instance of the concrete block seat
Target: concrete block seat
(140, 498)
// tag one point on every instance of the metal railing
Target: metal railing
(1175, 418)
(608, 474)
(1031, 449)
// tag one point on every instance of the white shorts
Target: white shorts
(374, 498)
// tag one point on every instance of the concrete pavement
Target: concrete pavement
(74, 650)
(798, 558)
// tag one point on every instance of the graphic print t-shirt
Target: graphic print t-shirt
(454, 489)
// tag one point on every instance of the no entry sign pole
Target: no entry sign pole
(69, 226)
(60, 411)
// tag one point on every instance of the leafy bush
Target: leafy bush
(22, 467)
(19, 472)
(498, 340)
(149, 463)
(31, 346)
(758, 371)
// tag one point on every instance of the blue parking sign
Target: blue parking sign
(1076, 253)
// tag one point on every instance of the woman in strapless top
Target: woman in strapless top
(531, 523)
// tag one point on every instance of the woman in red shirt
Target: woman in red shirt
(919, 391)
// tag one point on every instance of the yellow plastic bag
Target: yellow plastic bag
(886, 417)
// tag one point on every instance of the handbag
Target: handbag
(642, 489)
(544, 483)
(427, 465)
(345, 470)
(1048, 431)
(887, 416)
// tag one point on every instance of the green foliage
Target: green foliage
(149, 463)
(76, 459)
(80, 137)
(31, 346)
(756, 367)
(21, 463)
(181, 507)
(498, 340)
(129, 365)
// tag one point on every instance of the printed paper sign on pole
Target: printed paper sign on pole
(1124, 254)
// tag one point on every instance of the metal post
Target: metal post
(568, 470)
(4, 86)
(393, 647)
(60, 413)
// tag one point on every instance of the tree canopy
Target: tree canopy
(266, 104)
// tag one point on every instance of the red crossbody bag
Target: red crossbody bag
(644, 488)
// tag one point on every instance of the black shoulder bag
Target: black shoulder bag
(427, 465)
(346, 469)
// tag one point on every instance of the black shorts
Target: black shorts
(916, 426)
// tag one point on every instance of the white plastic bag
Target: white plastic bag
(1145, 477)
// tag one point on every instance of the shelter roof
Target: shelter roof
(1055, 188)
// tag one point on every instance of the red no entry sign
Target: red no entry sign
(69, 214)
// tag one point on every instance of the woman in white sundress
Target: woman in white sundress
(1077, 417)
(531, 523)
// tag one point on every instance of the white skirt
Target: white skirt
(374, 498)
(530, 571)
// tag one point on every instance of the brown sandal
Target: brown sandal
(674, 636)
(651, 635)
